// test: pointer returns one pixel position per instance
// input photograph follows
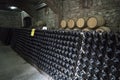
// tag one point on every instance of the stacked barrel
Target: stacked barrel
(97, 23)
(86, 24)
(73, 24)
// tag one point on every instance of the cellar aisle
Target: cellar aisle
(13, 67)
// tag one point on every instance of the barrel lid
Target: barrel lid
(92, 22)
(80, 23)
(71, 23)
(63, 24)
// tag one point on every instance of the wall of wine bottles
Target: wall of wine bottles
(99, 57)
(71, 55)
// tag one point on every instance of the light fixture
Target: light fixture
(13, 7)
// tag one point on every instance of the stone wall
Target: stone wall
(10, 19)
(48, 16)
(109, 9)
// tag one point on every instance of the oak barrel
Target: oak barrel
(40, 23)
(76, 29)
(86, 29)
(63, 24)
(71, 23)
(95, 21)
(80, 23)
(103, 29)
(67, 29)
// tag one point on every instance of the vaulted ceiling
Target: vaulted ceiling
(29, 5)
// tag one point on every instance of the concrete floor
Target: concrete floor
(13, 67)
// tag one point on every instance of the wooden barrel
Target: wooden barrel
(71, 23)
(95, 21)
(67, 29)
(40, 23)
(86, 29)
(103, 29)
(99, 30)
(63, 24)
(76, 29)
(81, 22)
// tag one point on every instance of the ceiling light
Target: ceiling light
(13, 7)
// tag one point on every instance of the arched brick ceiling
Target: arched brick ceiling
(28, 5)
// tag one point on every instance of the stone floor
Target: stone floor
(13, 67)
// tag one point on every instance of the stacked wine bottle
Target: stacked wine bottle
(71, 55)
(99, 57)
(55, 52)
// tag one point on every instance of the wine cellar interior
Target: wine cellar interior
(59, 39)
